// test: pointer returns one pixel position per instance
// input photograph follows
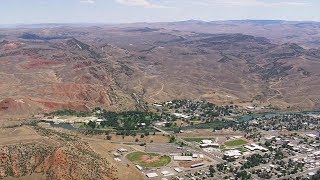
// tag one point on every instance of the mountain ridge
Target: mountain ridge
(115, 68)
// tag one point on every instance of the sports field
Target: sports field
(148, 159)
(237, 142)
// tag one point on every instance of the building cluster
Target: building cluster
(271, 149)
(290, 122)
(206, 143)
(201, 110)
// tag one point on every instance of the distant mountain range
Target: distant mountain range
(305, 33)
(119, 67)
(245, 21)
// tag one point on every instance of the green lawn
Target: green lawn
(196, 139)
(237, 142)
(136, 158)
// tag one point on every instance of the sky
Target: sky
(128, 11)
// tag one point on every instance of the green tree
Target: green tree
(92, 124)
(109, 137)
(172, 139)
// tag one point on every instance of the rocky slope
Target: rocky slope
(68, 160)
(44, 70)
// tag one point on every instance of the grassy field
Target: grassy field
(148, 159)
(237, 142)
(196, 139)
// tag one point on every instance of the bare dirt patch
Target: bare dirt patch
(149, 159)
(18, 135)
(187, 164)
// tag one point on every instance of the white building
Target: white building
(254, 146)
(160, 124)
(179, 115)
(142, 124)
(166, 173)
(236, 137)
(139, 167)
(269, 137)
(214, 145)
(98, 121)
(233, 153)
(122, 150)
(311, 135)
(152, 175)
(196, 165)
(182, 158)
(178, 170)
(157, 105)
(208, 143)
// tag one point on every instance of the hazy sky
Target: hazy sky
(119, 11)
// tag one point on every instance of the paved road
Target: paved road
(160, 130)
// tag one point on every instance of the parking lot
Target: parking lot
(166, 148)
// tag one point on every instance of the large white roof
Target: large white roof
(181, 115)
(182, 158)
(206, 141)
(232, 153)
(152, 175)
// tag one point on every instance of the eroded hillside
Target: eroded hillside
(121, 68)
(28, 150)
